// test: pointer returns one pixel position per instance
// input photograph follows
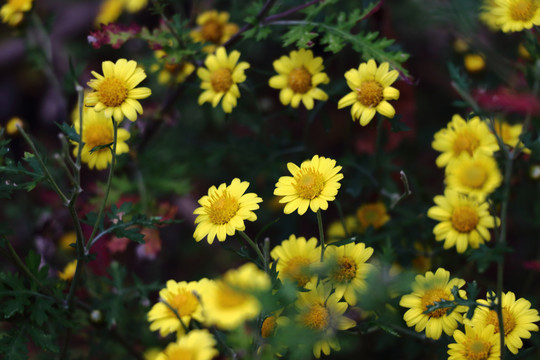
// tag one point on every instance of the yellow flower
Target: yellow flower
(474, 63)
(512, 15)
(69, 271)
(336, 232)
(510, 134)
(109, 11)
(371, 89)
(214, 28)
(12, 11)
(181, 296)
(294, 258)
(98, 131)
(322, 312)
(349, 269)
(477, 175)
(299, 75)
(115, 92)
(134, 6)
(462, 221)
(478, 343)
(427, 290)
(220, 79)
(11, 126)
(67, 239)
(230, 301)
(311, 185)
(518, 320)
(169, 70)
(372, 214)
(463, 136)
(196, 345)
(487, 16)
(224, 210)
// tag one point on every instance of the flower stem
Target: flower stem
(18, 261)
(256, 248)
(321, 233)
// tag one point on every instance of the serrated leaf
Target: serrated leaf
(333, 43)
(13, 344)
(69, 131)
(12, 307)
(300, 35)
(42, 339)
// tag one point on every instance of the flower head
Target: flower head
(220, 78)
(311, 185)
(299, 74)
(170, 70)
(510, 134)
(196, 345)
(372, 214)
(214, 28)
(478, 343)
(13, 124)
(69, 271)
(224, 210)
(12, 11)
(294, 256)
(115, 91)
(511, 15)
(371, 89)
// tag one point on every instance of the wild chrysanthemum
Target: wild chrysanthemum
(294, 257)
(196, 345)
(183, 297)
(509, 134)
(371, 91)
(12, 11)
(311, 185)
(512, 15)
(463, 221)
(372, 214)
(224, 210)
(214, 28)
(69, 271)
(170, 70)
(429, 289)
(322, 312)
(299, 75)
(487, 16)
(463, 136)
(115, 93)
(230, 301)
(220, 79)
(518, 320)
(349, 269)
(477, 343)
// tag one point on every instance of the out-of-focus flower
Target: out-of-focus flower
(67, 239)
(507, 100)
(372, 214)
(69, 271)
(196, 345)
(474, 63)
(475, 343)
(336, 230)
(111, 10)
(509, 134)
(11, 126)
(294, 258)
(12, 11)
(214, 28)
(511, 15)
(151, 246)
(113, 34)
(169, 70)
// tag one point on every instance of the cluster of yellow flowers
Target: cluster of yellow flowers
(510, 15)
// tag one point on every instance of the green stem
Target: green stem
(184, 326)
(256, 248)
(18, 261)
(321, 233)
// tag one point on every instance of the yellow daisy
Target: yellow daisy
(477, 175)
(115, 93)
(311, 185)
(372, 214)
(513, 15)
(487, 16)
(183, 297)
(12, 11)
(220, 79)
(477, 343)
(98, 131)
(427, 290)
(463, 222)
(170, 70)
(299, 75)
(214, 28)
(69, 271)
(518, 318)
(322, 312)
(349, 269)
(224, 210)
(463, 136)
(196, 345)
(294, 257)
(371, 89)
(230, 301)
(510, 134)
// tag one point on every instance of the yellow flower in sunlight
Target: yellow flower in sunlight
(170, 70)
(463, 221)
(230, 301)
(518, 320)
(511, 15)
(196, 345)
(463, 136)
(214, 28)
(12, 11)
(220, 79)
(509, 134)
(98, 131)
(115, 93)
(371, 91)
(372, 214)
(183, 297)
(427, 290)
(69, 271)
(12, 124)
(294, 257)
(299, 75)
(224, 210)
(479, 343)
(311, 185)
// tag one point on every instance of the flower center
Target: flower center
(222, 208)
(309, 183)
(296, 270)
(221, 80)
(300, 80)
(345, 269)
(185, 303)
(370, 93)
(212, 31)
(112, 92)
(230, 298)
(268, 326)
(522, 10)
(98, 134)
(430, 298)
(464, 219)
(509, 322)
(178, 353)
(465, 141)
(316, 318)
(477, 349)
(474, 176)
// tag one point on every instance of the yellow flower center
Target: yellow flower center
(465, 141)
(464, 219)
(477, 349)
(268, 326)
(98, 134)
(212, 31)
(230, 298)
(309, 183)
(509, 322)
(300, 80)
(295, 270)
(430, 298)
(112, 92)
(522, 10)
(345, 269)
(370, 93)
(178, 353)
(221, 80)
(185, 303)
(222, 208)
(474, 176)
(316, 318)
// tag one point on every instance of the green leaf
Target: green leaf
(70, 132)
(301, 36)
(13, 344)
(42, 339)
